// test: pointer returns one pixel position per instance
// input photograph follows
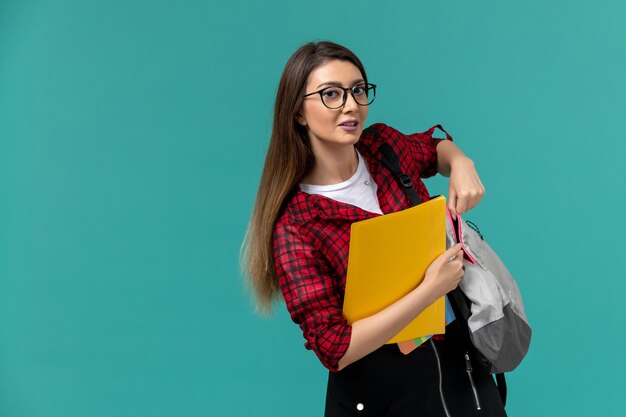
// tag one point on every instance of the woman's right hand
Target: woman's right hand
(445, 272)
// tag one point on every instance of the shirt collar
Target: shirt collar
(303, 207)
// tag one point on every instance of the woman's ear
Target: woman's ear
(300, 119)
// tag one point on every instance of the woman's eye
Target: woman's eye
(359, 89)
(331, 93)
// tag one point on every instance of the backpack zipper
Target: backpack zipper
(443, 400)
(468, 369)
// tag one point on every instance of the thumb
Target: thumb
(449, 253)
(452, 202)
(453, 250)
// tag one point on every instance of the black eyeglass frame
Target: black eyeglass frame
(368, 86)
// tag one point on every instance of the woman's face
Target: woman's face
(331, 127)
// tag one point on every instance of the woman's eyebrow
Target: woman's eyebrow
(337, 83)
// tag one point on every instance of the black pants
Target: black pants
(387, 383)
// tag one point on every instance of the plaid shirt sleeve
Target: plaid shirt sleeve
(310, 294)
(423, 149)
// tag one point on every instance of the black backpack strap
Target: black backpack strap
(390, 160)
(461, 303)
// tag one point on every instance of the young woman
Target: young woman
(322, 173)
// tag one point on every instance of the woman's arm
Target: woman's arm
(465, 190)
(314, 303)
(370, 333)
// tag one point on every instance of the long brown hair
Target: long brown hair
(289, 158)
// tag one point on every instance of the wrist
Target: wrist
(427, 291)
(461, 160)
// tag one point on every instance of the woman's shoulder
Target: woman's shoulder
(377, 134)
(383, 132)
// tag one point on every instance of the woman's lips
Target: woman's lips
(349, 126)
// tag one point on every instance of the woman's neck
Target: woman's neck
(333, 166)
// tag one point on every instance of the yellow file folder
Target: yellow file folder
(388, 258)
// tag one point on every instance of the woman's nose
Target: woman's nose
(350, 104)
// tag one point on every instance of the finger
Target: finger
(453, 253)
(461, 204)
(459, 265)
(472, 200)
(476, 200)
(452, 250)
(480, 183)
(452, 202)
(476, 195)
(459, 255)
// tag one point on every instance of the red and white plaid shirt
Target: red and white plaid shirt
(312, 238)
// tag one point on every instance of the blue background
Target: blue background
(132, 137)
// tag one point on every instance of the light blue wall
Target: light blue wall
(132, 136)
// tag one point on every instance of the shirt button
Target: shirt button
(360, 406)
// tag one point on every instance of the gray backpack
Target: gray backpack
(497, 323)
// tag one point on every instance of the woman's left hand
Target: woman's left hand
(466, 190)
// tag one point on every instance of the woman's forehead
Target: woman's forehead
(335, 72)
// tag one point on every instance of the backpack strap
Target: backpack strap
(390, 160)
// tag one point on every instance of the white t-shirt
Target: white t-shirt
(359, 190)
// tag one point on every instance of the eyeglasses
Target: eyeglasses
(335, 97)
